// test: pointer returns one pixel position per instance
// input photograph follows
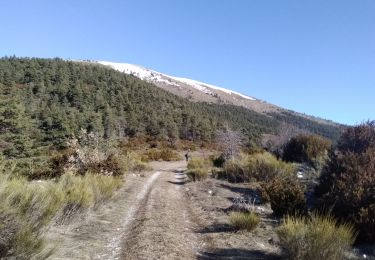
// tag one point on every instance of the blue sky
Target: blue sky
(312, 56)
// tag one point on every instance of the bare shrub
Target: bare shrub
(276, 143)
(230, 142)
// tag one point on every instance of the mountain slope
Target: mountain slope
(203, 92)
(43, 102)
(192, 89)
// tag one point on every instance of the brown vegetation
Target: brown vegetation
(347, 183)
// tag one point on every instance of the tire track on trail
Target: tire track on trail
(148, 218)
(98, 234)
(164, 228)
(114, 247)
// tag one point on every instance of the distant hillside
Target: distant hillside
(45, 101)
(203, 92)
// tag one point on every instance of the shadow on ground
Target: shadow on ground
(235, 253)
(249, 194)
(217, 228)
(177, 182)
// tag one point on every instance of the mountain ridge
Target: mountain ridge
(203, 92)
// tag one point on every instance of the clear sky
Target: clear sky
(311, 56)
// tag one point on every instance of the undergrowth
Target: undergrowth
(244, 220)
(315, 237)
(198, 169)
(256, 167)
(27, 207)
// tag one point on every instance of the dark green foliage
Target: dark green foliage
(329, 131)
(306, 149)
(286, 196)
(347, 185)
(52, 99)
(219, 161)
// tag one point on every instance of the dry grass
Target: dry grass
(27, 207)
(318, 237)
(259, 166)
(198, 169)
(244, 220)
(165, 154)
(197, 174)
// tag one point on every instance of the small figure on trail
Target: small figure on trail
(187, 156)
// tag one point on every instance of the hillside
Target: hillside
(45, 101)
(203, 92)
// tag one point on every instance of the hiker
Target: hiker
(187, 156)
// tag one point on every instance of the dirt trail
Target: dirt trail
(148, 218)
(164, 228)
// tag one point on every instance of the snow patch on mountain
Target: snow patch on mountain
(157, 77)
(203, 87)
(139, 72)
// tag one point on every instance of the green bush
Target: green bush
(312, 149)
(258, 166)
(347, 183)
(244, 220)
(286, 196)
(314, 238)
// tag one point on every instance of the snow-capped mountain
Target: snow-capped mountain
(201, 92)
(157, 77)
(192, 89)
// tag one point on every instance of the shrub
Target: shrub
(286, 196)
(87, 153)
(265, 166)
(197, 174)
(347, 183)
(197, 169)
(258, 166)
(310, 149)
(313, 238)
(234, 172)
(165, 154)
(219, 161)
(132, 162)
(26, 207)
(244, 220)
(196, 163)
